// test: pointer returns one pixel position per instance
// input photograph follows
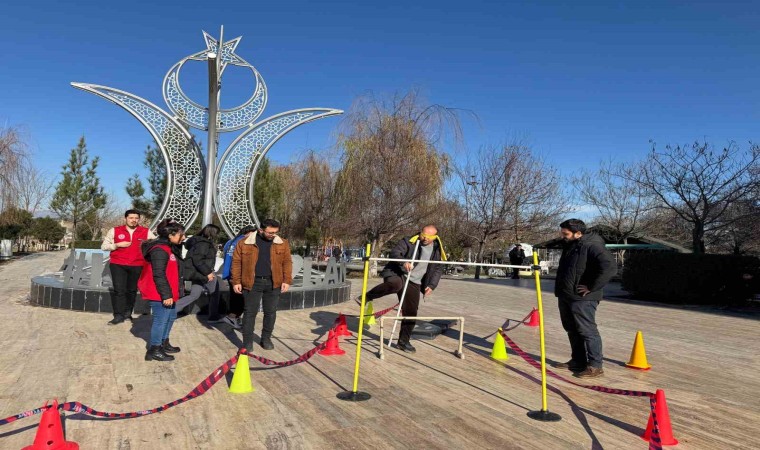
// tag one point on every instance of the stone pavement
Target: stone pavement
(707, 363)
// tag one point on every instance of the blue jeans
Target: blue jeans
(163, 319)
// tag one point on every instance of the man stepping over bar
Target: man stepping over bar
(423, 277)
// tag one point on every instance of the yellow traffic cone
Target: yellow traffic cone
(499, 352)
(369, 314)
(638, 354)
(241, 379)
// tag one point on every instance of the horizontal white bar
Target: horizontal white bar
(455, 263)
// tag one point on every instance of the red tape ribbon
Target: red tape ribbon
(197, 391)
(654, 440)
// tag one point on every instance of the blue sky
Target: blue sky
(581, 81)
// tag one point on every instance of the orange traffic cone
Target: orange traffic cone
(533, 321)
(663, 421)
(342, 328)
(333, 346)
(638, 354)
(50, 432)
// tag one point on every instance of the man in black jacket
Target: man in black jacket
(585, 267)
(516, 258)
(423, 277)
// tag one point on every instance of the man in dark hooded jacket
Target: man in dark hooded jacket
(423, 277)
(585, 267)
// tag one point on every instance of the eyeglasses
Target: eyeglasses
(428, 236)
(269, 233)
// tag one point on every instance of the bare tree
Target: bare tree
(33, 187)
(13, 153)
(699, 183)
(741, 236)
(392, 167)
(620, 202)
(513, 194)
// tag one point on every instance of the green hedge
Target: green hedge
(685, 278)
(86, 244)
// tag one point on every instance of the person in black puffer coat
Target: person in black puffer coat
(585, 267)
(423, 277)
(199, 269)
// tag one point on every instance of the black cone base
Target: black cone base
(351, 396)
(544, 416)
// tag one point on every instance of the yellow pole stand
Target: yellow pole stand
(354, 395)
(543, 415)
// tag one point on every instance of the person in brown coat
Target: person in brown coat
(262, 269)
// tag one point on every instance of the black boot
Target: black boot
(266, 343)
(155, 352)
(168, 348)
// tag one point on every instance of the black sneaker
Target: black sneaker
(156, 353)
(266, 344)
(406, 347)
(571, 365)
(168, 348)
(116, 321)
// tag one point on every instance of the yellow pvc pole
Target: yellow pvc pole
(361, 319)
(537, 275)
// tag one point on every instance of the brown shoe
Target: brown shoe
(590, 372)
(571, 365)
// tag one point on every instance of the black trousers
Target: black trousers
(124, 280)
(579, 320)
(262, 292)
(236, 302)
(395, 285)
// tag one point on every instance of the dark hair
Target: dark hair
(269, 223)
(246, 229)
(132, 211)
(574, 225)
(168, 227)
(209, 232)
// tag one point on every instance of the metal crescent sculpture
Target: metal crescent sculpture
(233, 196)
(182, 156)
(233, 180)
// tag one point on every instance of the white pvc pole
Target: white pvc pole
(403, 294)
(457, 263)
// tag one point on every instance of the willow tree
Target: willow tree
(393, 166)
(13, 151)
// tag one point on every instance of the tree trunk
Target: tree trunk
(697, 238)
(478, 258)
(377, 245)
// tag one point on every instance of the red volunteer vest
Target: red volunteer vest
(147, 286)
(132, 255)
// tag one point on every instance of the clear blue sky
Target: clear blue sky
(580, 80)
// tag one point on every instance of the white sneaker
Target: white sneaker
(231, 322)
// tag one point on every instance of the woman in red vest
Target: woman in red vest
(161, 283)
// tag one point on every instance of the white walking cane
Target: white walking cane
(403, 293)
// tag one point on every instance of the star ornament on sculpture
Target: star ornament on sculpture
(228, 55)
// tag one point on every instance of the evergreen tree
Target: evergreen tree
(154, 162)
(79, 194)
(136, 192)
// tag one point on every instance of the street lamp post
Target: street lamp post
(471, 183)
